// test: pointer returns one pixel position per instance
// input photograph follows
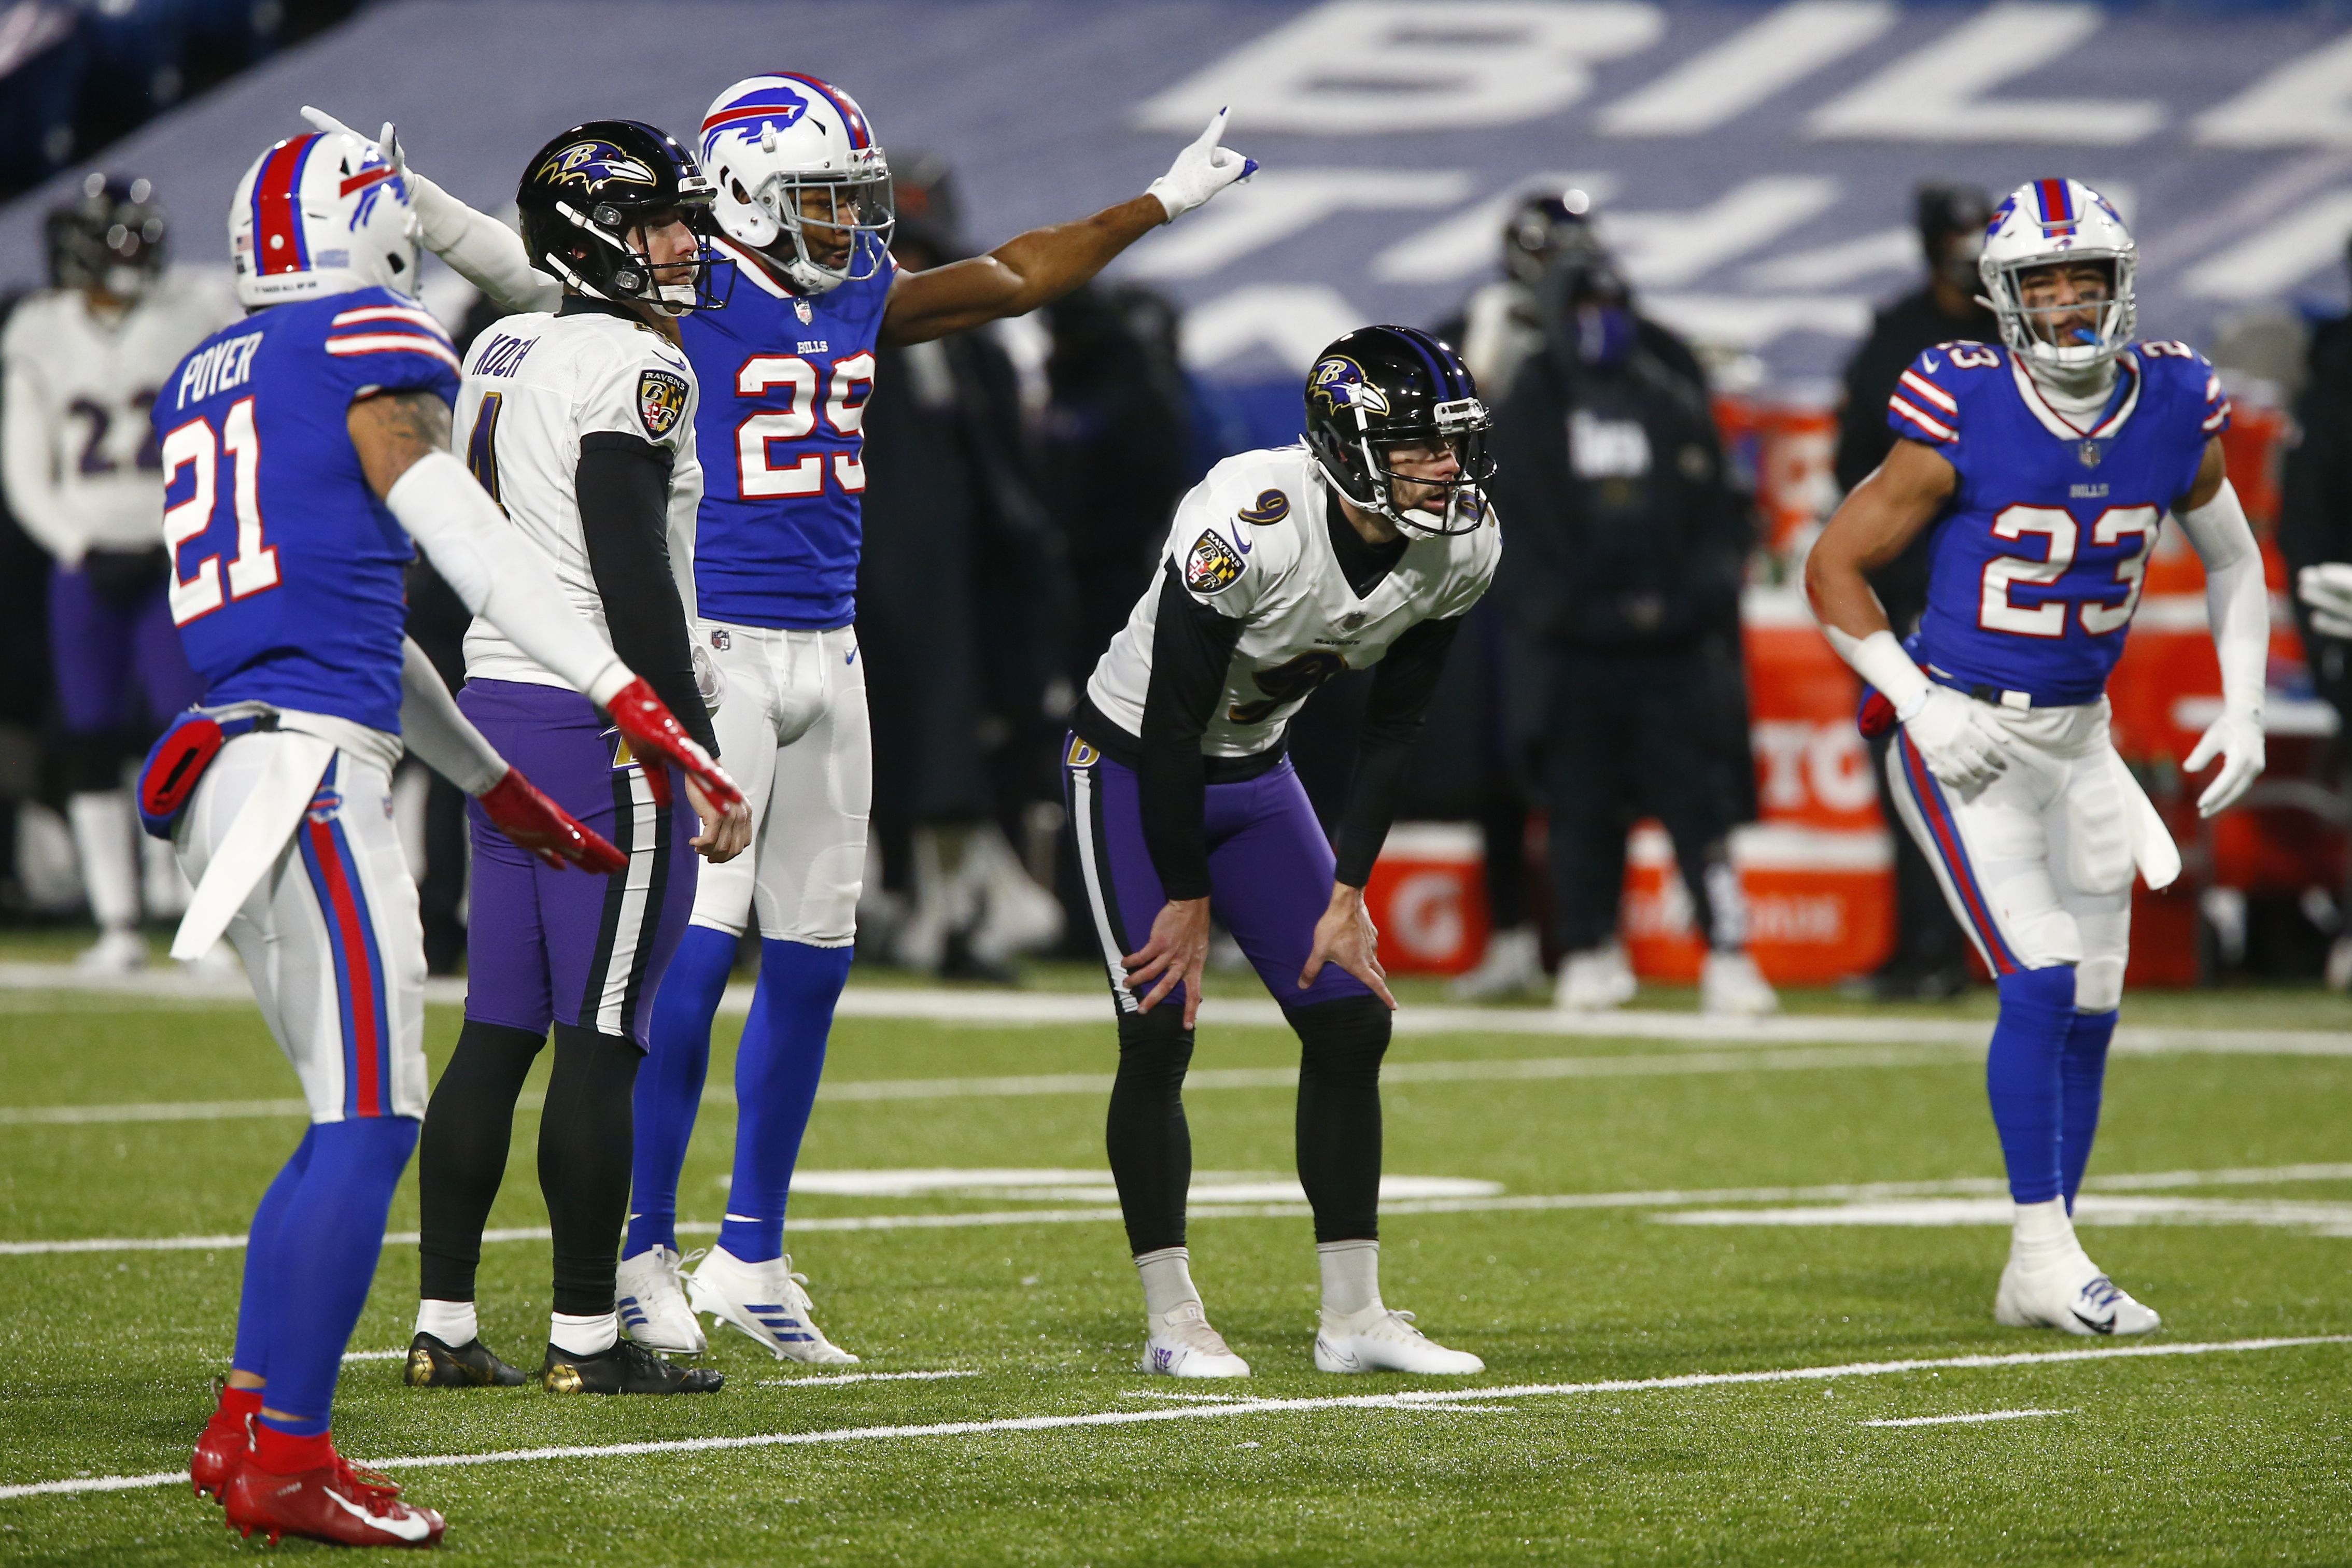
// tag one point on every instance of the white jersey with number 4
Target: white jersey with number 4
(1253, 542)
(536, 387)
(81, 462)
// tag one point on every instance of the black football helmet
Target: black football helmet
(110, 238)
(1380, 387)
(585, 193)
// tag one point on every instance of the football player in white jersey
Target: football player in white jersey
(1364, 546)
(579, 423)
(84, 360)
(803, 200)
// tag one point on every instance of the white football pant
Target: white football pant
(792, 735)
(2037, 864)
(330, 935)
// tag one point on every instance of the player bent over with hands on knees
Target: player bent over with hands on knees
(304, 449)
(803, 203)
(579, 422)
(2045, 465)
(1363, 546)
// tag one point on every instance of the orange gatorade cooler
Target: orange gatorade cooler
(1428, 896)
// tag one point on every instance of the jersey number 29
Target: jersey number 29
(255, 566)
(756, 475)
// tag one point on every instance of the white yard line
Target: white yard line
(1969, 1421)
(1670, 1197)
(835, 1380)
(1408, 1399)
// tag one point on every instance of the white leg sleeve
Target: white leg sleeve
(103, 829)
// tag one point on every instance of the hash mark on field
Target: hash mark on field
(1186, 1398)
(1408, 1399)
(375, 1356)
(835, 1380)
(1969, 1421)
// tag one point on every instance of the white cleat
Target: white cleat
(767, 1301)
(1513, 966)
(1594, 982)
(2072, 1295)
(651, 1304)
(1380, 1340)
(1183, 1344)
(1731, 985)
(121, 951)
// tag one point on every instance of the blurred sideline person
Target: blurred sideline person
(1364, 546)
(1929, 961)
(2044, 467)
(804, 199)
(305, 455)
(962, 605)
(1631, 545)
(579, 422)
(84, 360)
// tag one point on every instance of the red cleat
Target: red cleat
(220, 1453)
(342, 1504)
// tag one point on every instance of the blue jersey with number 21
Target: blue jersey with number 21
(780, 427)
(2034, 564)
(286, 569)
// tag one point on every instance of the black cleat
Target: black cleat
(627, 1368)
(472, 1364)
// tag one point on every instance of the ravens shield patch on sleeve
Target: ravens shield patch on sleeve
(1213, 566)
(661, 401)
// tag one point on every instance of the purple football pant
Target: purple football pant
(1270, 872)
(547, 946)
(102, 649)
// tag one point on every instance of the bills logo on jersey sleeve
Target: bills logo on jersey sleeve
(1213, 566)
(661, 401)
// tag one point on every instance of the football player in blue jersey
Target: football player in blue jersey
(2045, 465)
(303, 450)
(804, 205)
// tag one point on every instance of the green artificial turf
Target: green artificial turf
(2225, 1457)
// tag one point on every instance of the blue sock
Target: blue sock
(329, 1238)
(2021, 1076)
(776, 1072)
(2083, 1070)
(669, 1085)
(252, 1302)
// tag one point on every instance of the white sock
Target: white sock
(1351, 1276)
(2042, 1234)
(102, 830)
(586, 1335)
(451, 1323)
(1167, 1280)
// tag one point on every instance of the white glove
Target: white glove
(2237, 739)
(1200, 171)
(2326, 590)
(384, 144)
(1957, 737)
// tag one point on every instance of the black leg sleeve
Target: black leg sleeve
(1151, 1146)
(462, 1154)
(584, 1148)
(1340, 1047)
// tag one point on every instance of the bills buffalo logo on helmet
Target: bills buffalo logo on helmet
(1340, 382)
(661, 401)
(1213, 566)
(592, 165)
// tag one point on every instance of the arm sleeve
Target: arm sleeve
(623, 489)
(499, 577)
(1402, 685)
(433, 728)
(1192, 648)
(2237, 599)
(26, 455)
(480, 249)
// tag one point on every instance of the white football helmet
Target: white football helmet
(2048, 221)
(319, 214)
(767, 139)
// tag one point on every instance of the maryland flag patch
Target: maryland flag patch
(661, 401)
(1213, 566)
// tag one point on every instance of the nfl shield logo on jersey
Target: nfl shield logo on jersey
(661, 401)
(1213, 566)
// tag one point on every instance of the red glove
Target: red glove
(517, 809)
(658, 742)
